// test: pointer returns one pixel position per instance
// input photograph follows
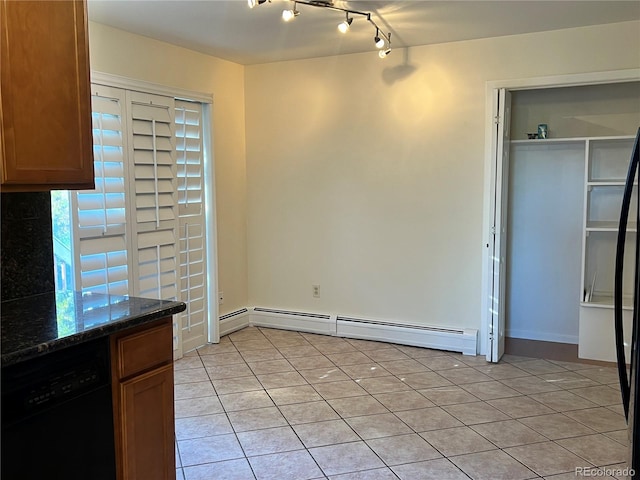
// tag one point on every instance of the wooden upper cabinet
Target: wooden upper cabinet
(45, 99)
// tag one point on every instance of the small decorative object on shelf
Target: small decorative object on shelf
(542, 130)
(532, 136)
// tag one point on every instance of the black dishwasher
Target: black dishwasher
(57, 416)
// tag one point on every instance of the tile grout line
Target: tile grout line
(369, 394)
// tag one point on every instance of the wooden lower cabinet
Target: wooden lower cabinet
(142, 371)
(147, 426)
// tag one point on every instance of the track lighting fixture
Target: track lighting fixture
(381, 39)
(343, 27)
(288, 15)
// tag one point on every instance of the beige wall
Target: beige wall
(361, 175)
(367, 176)
(120, 53)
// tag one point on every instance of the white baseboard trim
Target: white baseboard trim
(464, 340)
(288, 320)
(541, 336)
(233, 321)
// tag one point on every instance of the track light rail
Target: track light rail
(382, 40)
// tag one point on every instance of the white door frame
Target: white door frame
(211, 223)
(490, 177)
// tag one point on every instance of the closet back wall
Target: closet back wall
(544, 250)
(586, 111)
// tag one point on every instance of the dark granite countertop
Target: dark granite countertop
(38, 324)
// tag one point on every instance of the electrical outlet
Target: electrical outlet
(220, 298)
(316, 290)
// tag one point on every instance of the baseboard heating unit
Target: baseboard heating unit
(299, 321)
(233, 321)
(455, 340)
(439, 338)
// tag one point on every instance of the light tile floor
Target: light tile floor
(274, 404)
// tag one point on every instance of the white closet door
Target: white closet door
(194, 320)
(498, 242)
(99, 215)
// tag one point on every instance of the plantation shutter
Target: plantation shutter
(190, 162)
(99, 215)
(155, 204)
(155, 209)
(141, 231)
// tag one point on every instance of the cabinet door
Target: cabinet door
(45, 106)
(146, 426)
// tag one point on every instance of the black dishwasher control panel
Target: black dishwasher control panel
(38, 384)
(62, 385)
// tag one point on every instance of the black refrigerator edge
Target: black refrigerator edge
(629, 381)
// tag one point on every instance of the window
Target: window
(142, 231)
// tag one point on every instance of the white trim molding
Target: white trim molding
(541, 336)
(126, 83)
(569, 80)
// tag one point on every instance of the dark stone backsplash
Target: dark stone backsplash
(26, 245)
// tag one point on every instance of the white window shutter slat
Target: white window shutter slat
(144, 106)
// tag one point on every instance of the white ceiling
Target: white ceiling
(229, 29)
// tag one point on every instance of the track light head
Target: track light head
(288, 15)
(377, 40)
(344, 26)
(384, 53)
(253, 3)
